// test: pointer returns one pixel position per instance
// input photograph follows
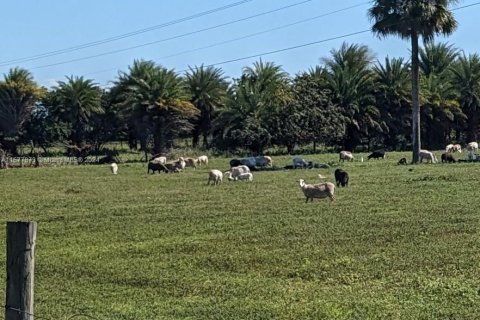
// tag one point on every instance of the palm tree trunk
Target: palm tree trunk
(416, 142)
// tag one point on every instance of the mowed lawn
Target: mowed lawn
(401, 242)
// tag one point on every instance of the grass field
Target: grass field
(396, 244)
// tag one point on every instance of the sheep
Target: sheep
(181, 164)
(155, 166)
(202, 160)
(402, 161)
(346, 155)
(247, 176)
(190, 162)
(114, 167)
(429, 156)
(341, 177)
(161, 160)
(299, 162)
(453, 148)
(377, 154)
(263, 161)
(472, 146)
(172, 166)
(321, 190)
(447, 157)
(235, 172)
(216, 176)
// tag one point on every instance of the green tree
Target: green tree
(208, 90)
(156, 100)
(77, 101)
(466, 81)
(19, 94)
(411, 20)
(350, 80)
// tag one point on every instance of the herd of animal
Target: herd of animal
(241, 169)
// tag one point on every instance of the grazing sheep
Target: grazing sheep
(299, 163)
(202, 160)
(216, 176)
(447, 157)
(172, 166)
(427, 155)
(114, 168)
(181, 164)
(472, 146)
(341, 177)
(190, 162)
(161, 160)
(235, 172)
(377, 154)
(155, 166)
(402, 161)
(346, 155)
(321, 190)
(247, 176)
(235, 163)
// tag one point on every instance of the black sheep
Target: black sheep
(235, 163)
(341, 177)
(447, 157)
(377, 154)
(156, 167)
(402, 161)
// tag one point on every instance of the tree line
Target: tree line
(347, 101)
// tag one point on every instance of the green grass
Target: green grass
(396, 244)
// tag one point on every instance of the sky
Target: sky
(97, 39)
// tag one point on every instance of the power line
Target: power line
(122, 36)
(248, 35)
(173, 37)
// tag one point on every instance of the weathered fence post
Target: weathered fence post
(21, 238)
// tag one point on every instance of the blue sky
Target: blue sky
(32, 27)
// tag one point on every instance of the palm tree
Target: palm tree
(156, 99)
(466, 80)
(436, 58)
(392, 94)
(18, 95)
(412, 19)
(76, 102)
(350, 80)
(208, 90)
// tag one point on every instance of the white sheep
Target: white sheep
(320, 190)
(161, 160)
(247, 176)
(202, 160)
(190, 162)
(453, 148)
(346, 155)
(216, 176)
(234, 172)
(472, 146)
(114, 168)
(427, 155)
(181, 164)
(263, 161)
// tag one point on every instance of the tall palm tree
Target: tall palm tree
(412, 19)
(208, 90)
(350, 80)
(18, 95)
(466, 80)
(157, 100)
(77, 101)
(392, 91)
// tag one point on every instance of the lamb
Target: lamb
(202, 160)
(247, 176)
(341, 177)
(299, 162)
(453, 148)
(447, 157)
(190, 162)
(235, 172)
(216, 176)
(429, 156)
(161, 160)
(472, 146)
(114, 167)
(155, 166)
(172, 166)
(321, 190)
(346, 155)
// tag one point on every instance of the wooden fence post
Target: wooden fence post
(21, 237)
